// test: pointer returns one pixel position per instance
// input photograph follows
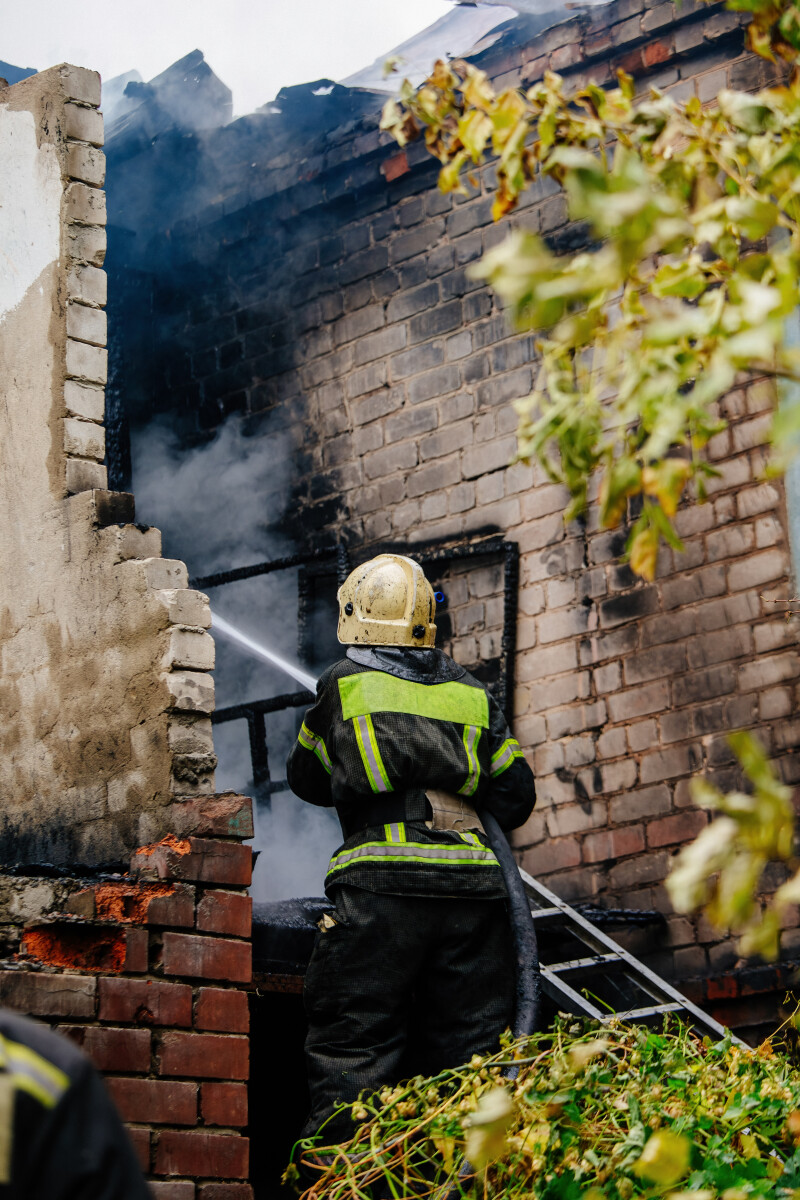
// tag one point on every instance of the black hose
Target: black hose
(529, 980)
(529, 983)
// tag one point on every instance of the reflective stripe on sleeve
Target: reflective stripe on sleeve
(504, 757)
(413, 852)
(471, 738)
(371, 755)
(313, 742)
(395, 833)
(32, 1073)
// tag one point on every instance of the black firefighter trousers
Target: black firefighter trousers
(429, 975)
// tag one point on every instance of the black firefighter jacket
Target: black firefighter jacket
(60, 1135)
(388, 725)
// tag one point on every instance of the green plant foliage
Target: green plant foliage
(693, 223)
(721, 871)
(602, 1113)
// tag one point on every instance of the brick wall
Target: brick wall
(148, 973)
(330, 295)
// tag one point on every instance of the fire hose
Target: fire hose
(529, 980)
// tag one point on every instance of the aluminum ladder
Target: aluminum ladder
(586, 973)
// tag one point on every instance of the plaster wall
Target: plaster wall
(103, 652)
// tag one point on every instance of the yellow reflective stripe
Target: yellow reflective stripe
(471, 738)
(507, 745)
(6, 1126)
(376, 691)
(313, 742)
(470, 837)
(504, 757)
(394, 833)
(414, 852)
(371, 755)
(33, 1074)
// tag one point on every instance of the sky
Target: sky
(255, 46)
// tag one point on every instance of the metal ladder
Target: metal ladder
(577, 958)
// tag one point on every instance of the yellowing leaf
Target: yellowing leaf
(532, 1140)
(621, 481)
(486, 1136)
(666, 482)
(749, 1145)
(581, 1055)
(478, 91)
(644, 553)
(445, 1147)
(665, 1158)
(474, 131)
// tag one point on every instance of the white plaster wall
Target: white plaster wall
(30, 206)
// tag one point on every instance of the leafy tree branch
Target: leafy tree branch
(687, 278)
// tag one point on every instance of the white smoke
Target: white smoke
(221, 505)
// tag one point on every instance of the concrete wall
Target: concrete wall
(103, 650)
(328, 293)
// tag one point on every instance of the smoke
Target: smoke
(221, 505)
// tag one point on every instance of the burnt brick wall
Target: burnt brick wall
(148, 973)
(336, 303)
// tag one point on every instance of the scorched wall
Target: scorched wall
(324, 288)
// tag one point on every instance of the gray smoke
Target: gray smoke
(219, 506)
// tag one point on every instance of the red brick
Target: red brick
(67, 945)
(157, 1101)
(112, 1049)
(554, 855)
(657, 52)
(226, 814)
(198, 1153)
(394, 167)
(39, 995)
(630, 62)
(726, 988)
(174, 909)
(145, 1002)
(226, 1191)
(141, 1144)
(680, 827)
(136, 947)
(174, 1189)
(224, 1103)
(225, 912)
(201, 860)
(613, 843)
(223, 1009)
(204, 1056)
(207, 957)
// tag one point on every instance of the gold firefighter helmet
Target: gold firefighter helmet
(387, 602)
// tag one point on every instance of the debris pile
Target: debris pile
(594, 1111)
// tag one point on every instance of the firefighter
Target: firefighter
(417, 955)
(60, 1135)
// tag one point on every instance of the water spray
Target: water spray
(220, 625)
